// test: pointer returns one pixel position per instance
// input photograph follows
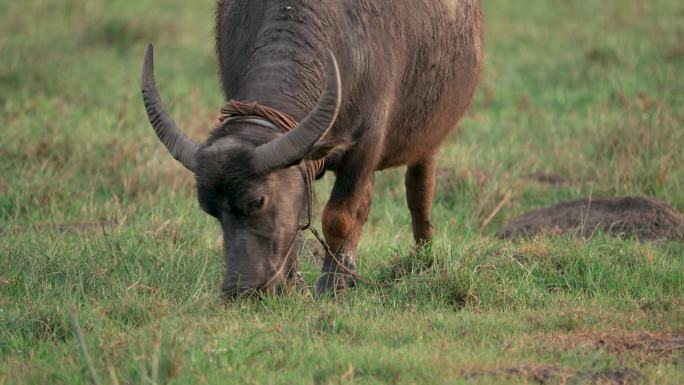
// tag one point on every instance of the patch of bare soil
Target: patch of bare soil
(544, 178)
(551, 374)
(644, 346)
(645, 218)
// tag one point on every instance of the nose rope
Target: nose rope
(259, 114)
(279, 271)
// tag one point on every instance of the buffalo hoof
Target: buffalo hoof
(335, 279)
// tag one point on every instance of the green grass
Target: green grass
(95, 214)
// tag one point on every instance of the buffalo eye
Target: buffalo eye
(255, 205)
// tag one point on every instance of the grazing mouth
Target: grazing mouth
(293, 282)
(286, 276)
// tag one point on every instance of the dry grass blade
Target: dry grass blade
(112, 376)
(155, 358)
(73, 316)
(492, 215)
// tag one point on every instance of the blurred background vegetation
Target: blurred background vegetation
(93, 211)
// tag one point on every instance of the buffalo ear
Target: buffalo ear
(325, 148)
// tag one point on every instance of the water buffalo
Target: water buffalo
(374, 84)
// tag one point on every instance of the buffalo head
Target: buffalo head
(254, 188)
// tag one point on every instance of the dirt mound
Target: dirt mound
(642, 217)
(551, 374)
(544, 178)
(644, 345)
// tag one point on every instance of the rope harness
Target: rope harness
(264, 116)
(261, 115)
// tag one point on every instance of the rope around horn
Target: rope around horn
(285, 123)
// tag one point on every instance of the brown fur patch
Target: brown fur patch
(337, 224)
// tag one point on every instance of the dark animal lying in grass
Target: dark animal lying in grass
(375, 84)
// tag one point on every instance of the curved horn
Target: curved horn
(297, 143)
(179, 145)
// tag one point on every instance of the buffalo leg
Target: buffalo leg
(342, 225)
(420, 191)
(345, 214)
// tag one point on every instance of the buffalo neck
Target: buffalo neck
(283, 68)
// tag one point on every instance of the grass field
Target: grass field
(97, 221)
